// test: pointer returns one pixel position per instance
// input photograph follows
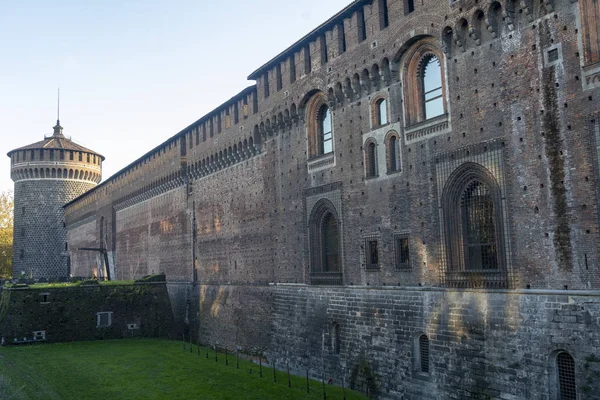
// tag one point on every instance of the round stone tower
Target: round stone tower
(47, 175)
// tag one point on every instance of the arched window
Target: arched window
(382, 111)
(472, 207)
(432, 87)
(565, 366)
(421, 354)
(319, 125)
(325, 131)
(423, 72)
(371, 159)
(393, 163)
(325, 244)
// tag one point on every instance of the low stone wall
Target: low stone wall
(81, 313)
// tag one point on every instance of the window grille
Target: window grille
(330, 240)
(393, 154)
(566, 376)
(424, 353)
(371, 253)
(402, 253)
(478, 224)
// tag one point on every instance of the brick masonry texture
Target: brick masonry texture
(225, 207)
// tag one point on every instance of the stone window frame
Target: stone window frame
(457, 274)
(322, 209)
(412, 79)
(371, 160)
(559, 58)
(99, 321)
(368, 263)
(375, 108)
(399, 266)
(388, 154)
(314, 109)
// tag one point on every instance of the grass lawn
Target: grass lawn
(142, 369)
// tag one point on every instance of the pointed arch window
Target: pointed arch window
(423, 78)
(472, 206)
(325, 238)
(432, 87)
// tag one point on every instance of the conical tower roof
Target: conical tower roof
(57, 141)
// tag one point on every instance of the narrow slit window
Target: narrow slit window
(393, 154)
(371, 160)
(424, 353)
(382, 116)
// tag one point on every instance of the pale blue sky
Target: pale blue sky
(133, 73)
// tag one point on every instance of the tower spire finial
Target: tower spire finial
(58, 129)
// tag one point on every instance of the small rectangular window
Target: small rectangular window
(51, 155)
(80, 156)
(62, 154)
(372, 253)
(44, 298)
(402, 252)
(553, 55)
(23, 211)
(409, 6)
(104, 319)
(71, 156)
(32, 155)
(41, 154)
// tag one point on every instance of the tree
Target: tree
(6, 234)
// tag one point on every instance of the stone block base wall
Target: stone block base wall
(482, 344)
